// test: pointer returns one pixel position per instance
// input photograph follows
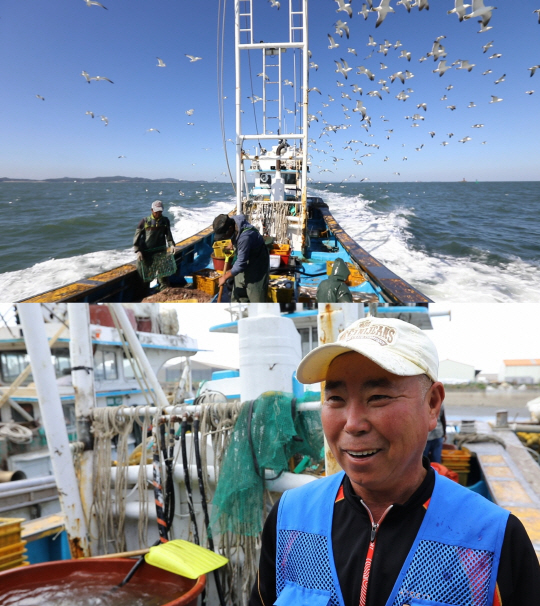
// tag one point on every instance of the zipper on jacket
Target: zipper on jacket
(371, 550)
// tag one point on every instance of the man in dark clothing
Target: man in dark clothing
(153, 235)
(334, 289)
(388, 530)
(252, 265)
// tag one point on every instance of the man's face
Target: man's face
(157, 214)
(376, 424)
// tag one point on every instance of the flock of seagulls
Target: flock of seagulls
(475, 10)
(438, 53)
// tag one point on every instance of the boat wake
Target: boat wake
(53, 273)
(389, 238)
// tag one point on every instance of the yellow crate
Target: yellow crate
(219, 248)
(206, 280)
(10, 531)
(11, 549)
(280, 295)
(14, 556)
(356, 277)
(22, 561)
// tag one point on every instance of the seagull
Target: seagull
(366, 71)
(432, 133)
(406, 4)
(343, 67)
(341, 28)
(405, 55)
(160, 62)
(477, 126)
(344, 7)
(371, 41)
(537, 11)
(360, 108)
(533, 69)
(333, 43)
(105, 119)
(444, 143)
(275, 3)
(90, 2)
(192, 58)
(88, 78)
(399, 75)
(479, 10)
(152, 129)
(451, 107)
(486, 47)
(314, 66)
(40, 97)
(121, 156)
(501, 79)
(442, 68)
(189, 112)
(422, 4)
(472, 104)
(529, 92)
(464, 64)
(450, 135)
(495, 99)
(382, 10)
(287, 82)
(488, 71)
(402, 96)
(364, 12)
(263, 75)
(459, 9)
(465, 139)
(375, 93)
(423, 106)
(356, 88)
(352, 51)
(91, 114)
(484, 28)
(496, 56)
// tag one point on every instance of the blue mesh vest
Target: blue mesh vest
(452, 562)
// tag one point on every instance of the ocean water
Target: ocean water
(455, 242)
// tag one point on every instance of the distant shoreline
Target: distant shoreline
(116, 179)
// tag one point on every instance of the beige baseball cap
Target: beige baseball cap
(397, 346)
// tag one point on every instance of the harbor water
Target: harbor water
(455, 242)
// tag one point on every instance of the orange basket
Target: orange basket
(356, 277)
(206, 280)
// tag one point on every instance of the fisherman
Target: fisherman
(388, 530)
(153, 235)
(334, 289)
(435, 440)
(252, 266)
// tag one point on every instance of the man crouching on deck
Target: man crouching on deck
(388, 530)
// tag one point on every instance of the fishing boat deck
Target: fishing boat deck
(513, 478)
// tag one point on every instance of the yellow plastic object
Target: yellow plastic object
(206, 280)
(10, 531)
(184, 558)
(221, 248)
(356, 277)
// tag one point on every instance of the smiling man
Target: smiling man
(388, 530)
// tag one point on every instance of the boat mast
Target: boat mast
(298, 39)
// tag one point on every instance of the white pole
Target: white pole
(238, 102)
(138, 352)
(55, 427)
(82, 376)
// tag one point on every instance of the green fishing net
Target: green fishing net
(238, 503)
(157, 265)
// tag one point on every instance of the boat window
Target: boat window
(61, 362)
(309, 339)
(289, 178)
(105, 365)
(12, 364)
(128, 369)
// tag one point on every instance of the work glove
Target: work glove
(171, 248)
(139, 255)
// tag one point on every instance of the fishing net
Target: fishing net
(267, 433)
(156, 265)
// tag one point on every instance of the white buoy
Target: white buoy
(270, 352)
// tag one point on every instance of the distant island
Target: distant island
(97, 180)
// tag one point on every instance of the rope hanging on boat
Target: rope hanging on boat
(16, 433)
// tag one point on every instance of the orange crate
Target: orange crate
(356, 277)
(206, 280)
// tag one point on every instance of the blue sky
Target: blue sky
(45, 46)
